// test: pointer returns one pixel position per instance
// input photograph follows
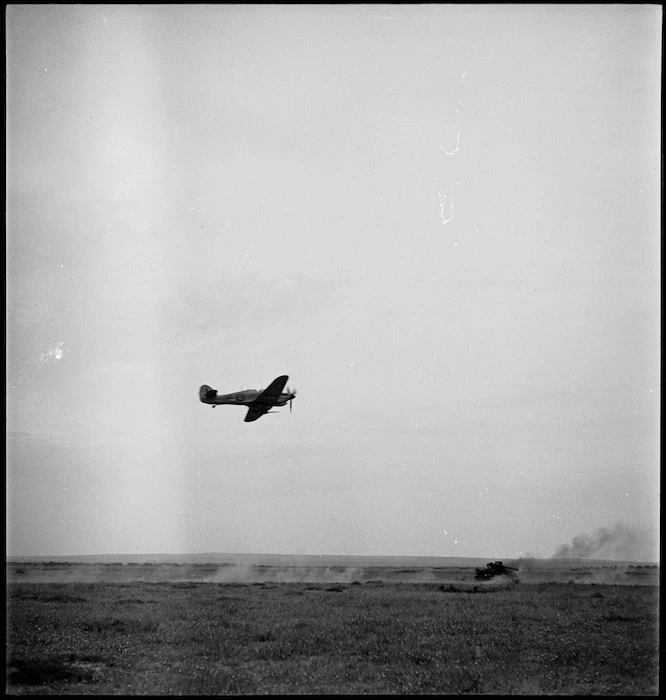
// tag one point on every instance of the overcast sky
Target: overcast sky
(441, 221)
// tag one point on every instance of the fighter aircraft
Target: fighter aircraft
(259, 401)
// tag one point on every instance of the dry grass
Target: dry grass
(292, 638)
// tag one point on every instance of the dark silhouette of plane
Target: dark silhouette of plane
(259, 401)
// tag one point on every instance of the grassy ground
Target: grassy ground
(292, 638)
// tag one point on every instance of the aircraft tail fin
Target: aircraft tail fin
(205, 392)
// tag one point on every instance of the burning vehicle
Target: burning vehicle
(495, 568)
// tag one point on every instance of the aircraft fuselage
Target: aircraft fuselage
(244, 397)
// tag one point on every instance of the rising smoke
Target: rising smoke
(620, 542)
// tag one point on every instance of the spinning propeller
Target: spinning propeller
(292, 393)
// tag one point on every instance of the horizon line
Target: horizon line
(65, 557)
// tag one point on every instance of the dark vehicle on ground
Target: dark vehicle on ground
(495, 568)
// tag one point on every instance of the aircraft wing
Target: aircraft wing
(272, 392)
(266, 400)
(256, 412)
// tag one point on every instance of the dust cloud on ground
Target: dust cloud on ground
(249, 573)
(585, 571)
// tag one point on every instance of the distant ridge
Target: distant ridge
(300, 560)
(258, 559)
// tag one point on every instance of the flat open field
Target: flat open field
(248, 628)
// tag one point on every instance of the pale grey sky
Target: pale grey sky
(442, 221)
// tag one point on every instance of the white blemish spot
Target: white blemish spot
(54, 353)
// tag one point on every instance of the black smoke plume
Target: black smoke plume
(620, 542)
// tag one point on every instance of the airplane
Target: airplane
(259, 401)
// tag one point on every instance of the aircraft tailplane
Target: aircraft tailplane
(205, 392)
